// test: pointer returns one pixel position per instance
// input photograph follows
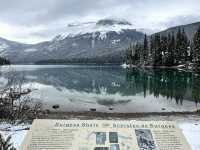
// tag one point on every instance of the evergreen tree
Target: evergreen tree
(190, 53)
(5, 144)
(171, 49)
(196, 42)
(158, 51)
(145, 48)
(177, 53)
(137, 53)
(4, 61)
(151, 50)
(164, 49)
(185, 44)
(151, 45)
(129, 55)
(182, 43)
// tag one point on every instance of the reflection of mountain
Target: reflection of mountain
(168, 83)
(86, 79)
(108, 85)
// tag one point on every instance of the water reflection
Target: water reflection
(79, 88)
(172, 84)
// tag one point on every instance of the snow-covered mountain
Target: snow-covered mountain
(105, 39)
(102, 27)
(10, 49)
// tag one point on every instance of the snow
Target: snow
(103, 35)
(190, 126)
(114, 84)
(192, 134)
(15, 131)
(125, 66)
(30, 50)
(74, 44)
(180, 66)
(115, 41)
(3, 81)
(3, 47)
(75, 29)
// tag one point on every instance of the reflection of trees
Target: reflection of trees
(174, 84)
(168, 83)
(195, 85)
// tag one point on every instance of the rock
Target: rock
(55, 106)
(110, 108)
(93, 109)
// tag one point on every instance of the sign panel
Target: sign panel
(104, 135)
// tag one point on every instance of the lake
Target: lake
(108, 88)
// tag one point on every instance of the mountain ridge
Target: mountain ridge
(106, 42)
(190, 29)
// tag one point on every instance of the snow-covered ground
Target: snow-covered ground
(125, 66)
(190, 128)
(192, 133)
(17, 132)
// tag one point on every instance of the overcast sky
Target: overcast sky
(32, 21)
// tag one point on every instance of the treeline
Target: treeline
(96, 60)
(4, 61)
(160, 50)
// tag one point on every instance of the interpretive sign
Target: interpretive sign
(104, 135)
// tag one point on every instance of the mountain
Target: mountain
(11, 49)
(190, 30)
(102, 40)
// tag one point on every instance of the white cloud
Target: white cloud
(21, 33)
(35, 20)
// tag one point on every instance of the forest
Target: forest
(4, 61)
(160, 50)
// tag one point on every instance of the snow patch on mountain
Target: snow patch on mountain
(115, 41)
(74, 44)
(103, 35)
(30, 50)
(3, 46)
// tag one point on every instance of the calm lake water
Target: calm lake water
(108, 88)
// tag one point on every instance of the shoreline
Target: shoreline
(179, 67)
(124, 66)
(104, 115)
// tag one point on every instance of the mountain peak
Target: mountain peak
(102, 26)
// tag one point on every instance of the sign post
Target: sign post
(104, 135)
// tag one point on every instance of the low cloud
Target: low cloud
(32, 21)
